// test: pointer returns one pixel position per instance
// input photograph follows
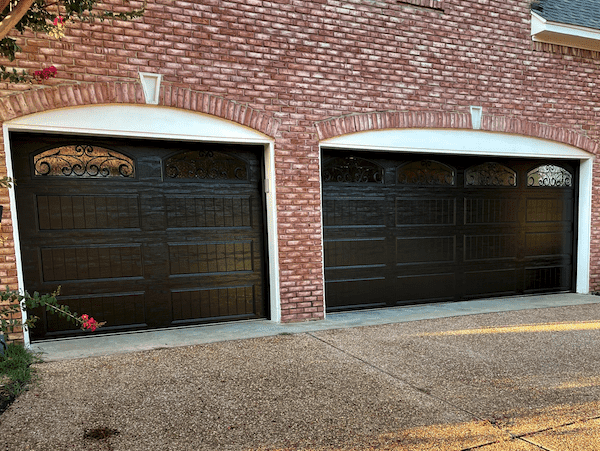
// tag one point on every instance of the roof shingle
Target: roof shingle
(585, 13)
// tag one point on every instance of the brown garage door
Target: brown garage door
(140, 234)
(413, 229)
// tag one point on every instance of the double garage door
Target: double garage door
(140, 234)
(412, 229)
(145, 234)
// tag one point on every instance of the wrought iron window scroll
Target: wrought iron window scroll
(352, 170)
(201, 164)
(550, 175)
(426, 172)
(84, 161)
(490, 174)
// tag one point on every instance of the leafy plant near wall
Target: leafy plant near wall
(51, 17)
(13, 302)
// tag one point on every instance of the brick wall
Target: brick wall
(308, 65)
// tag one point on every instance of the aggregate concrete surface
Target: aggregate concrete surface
(518, 380)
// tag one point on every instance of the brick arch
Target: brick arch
(430, 119)
(62, 96)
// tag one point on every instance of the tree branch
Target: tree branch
(14, 17)
(3, 4)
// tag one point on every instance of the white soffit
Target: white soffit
(564, 34)
(465, 142)
(143, 121)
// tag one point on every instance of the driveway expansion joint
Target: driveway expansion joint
(395, 377)
(534, 444)
(513, 436)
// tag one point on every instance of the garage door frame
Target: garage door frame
(149, 122)
(485, 144)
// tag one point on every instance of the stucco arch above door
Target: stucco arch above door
(131, 94)
(385, 120)
(449, 141)
(139, 121)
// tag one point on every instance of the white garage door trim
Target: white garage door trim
(153, 122)
(471, 142)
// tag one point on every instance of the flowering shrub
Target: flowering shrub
(45, 74)
(90, 323)
(14, 301)
(39, 16)
(57, 31)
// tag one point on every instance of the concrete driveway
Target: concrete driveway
(518, 379)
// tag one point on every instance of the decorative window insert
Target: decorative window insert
(426, 172)
(490, 174)
(83, 160)
(550, 175)
(205, 165)
(351, 170)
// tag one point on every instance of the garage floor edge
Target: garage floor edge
(97, 345)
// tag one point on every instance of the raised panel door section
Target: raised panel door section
(118, 310)
(490, 247)
(492, 282)
(425, 287)
(210, 258)
(485, 210)
(355, 253)
(60, 212)
(209, 303)
(435, 249)
(67, 264)
(426, 211)
(210, 211)
(354, 212)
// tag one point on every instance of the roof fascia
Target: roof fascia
(576, 36)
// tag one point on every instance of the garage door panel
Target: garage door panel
(91, 262)
(211, 257)
(205, 303)
(354, 212)
(426, 211)
(490, 247)
(430, 249)
(539, 244)
(210, 211)
(430, 287)
(356, 252)
(60, 212)
(549, 210)
(540, 279)
(117, 309)
(483, 210)
(348, 293)
(490, 282)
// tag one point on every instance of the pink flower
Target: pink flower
(45, 74)
(58, 20)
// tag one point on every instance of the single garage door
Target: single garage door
(409, 229)
(140, 234)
